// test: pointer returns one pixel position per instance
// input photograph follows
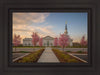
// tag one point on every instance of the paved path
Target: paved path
(48, 56)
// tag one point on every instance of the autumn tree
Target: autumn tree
(63, 40)
(40, 42)
(56, 41)
(16, 40)
(35, 38)
(83, 42)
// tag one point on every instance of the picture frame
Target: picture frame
(90, 69)
(11, 11)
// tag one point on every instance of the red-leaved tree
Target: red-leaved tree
(35, 38)
(56, 41)
(63, 40)
(40, 42)
(83, 42)
(16, 40)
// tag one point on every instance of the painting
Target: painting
(50, 37)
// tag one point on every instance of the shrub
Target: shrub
(72, 61)
(64, 57)
(79, 52)
(33, 57)
(68, 51)
(24, 52)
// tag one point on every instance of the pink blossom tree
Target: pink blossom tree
(83, 42)
(16, 40)
(35, 38)
(40, 42)
(56, 41)
(63, 40)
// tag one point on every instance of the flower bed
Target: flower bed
(65, 57)
(33, 57)
(21, 52)
(78, 52)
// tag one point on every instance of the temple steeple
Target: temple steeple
(66, 28)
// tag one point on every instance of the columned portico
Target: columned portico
(48, 41)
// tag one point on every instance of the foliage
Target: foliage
(21, 45)
(65, 57)
(83, 41)
(68, 51)
(24, 52)
(33, 57)
(40, 42)
(72, 61)
(35, 38)
(29, 47)
(16, 40)
(79, 52)
(21, 52)
(56, 41)
(63, 40)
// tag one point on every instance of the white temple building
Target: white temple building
(47, 40)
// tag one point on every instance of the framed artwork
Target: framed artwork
(40, 36)
(49, 38)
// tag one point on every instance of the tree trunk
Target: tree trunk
(83, 49)
(15, 48)
(63, 48)
(33, 47)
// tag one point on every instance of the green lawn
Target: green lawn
(29, 47)
(44, 47)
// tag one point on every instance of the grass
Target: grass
(28, 47)
(70, 47)
(65, 57)
(68, 51)
(80, 52)
(33, 57)
(44, 47)
(22, 52)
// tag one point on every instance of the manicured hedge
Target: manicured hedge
(64, 57)
(33, 57)
(29, 47)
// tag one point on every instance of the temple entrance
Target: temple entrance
(47, 43)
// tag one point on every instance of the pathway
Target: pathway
(48, 56)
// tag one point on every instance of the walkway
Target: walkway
(48, 56)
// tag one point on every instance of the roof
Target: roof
(48, 37)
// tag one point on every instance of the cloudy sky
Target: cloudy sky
(51, 24)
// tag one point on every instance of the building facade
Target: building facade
(47, 41)
(27, 42)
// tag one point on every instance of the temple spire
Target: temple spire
(66, 28)
(66, 25)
